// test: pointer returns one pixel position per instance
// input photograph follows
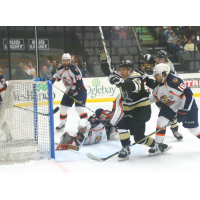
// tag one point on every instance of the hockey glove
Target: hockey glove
(40, 79)
(143, 74)
(115, 80)
(70, 92)
(103, 56)
(182, 115)
(144, 57)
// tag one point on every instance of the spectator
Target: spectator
(183, 40)
(189, 47)
(76, 63)
(142, 67)
(168, 32)
(172, 40)
(30, 69)
(59, 65)
(122, 34)
(178, 50)
(22, 72)
(84, 70)
(189, 32)
(45, 73)
(1, 73)
(54, 63)
(49, 65)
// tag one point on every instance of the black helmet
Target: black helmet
(161, 54)
(126, 63)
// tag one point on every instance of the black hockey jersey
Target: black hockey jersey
(133, 93)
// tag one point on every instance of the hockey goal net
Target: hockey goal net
(26, 122)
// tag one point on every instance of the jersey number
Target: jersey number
(182, 87)
(78, 77)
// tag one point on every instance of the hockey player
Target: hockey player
(72, 79)
(162, 57)
(3, 86)
(4, 127)
(176, 97)
(90, 131)
(135, 104)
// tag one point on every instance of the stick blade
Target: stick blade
(91, 156)
(56, 110)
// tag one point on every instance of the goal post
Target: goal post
(26, 134)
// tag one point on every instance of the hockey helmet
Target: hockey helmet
(84, 126)
(160, 69)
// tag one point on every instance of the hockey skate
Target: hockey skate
(158, 149)
(124, 153)
(60, 127)
(177, 135)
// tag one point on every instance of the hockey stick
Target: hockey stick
(93, 157)
(106, 52)
(136, 37)
(54, 111)
(79, 102)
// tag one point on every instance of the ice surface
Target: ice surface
(183, 157)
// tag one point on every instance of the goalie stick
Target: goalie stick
(93, 157)
(80, 102)
(44, 114)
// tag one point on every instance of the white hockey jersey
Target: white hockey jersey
(71, 78)
(3, 87)
(174, 93)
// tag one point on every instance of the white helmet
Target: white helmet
(66, 56)
(160, 68)
(84, 127)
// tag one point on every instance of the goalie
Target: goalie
(90, 131)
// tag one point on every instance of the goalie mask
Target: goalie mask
(66, 60)
(103, 115)
(84, 126)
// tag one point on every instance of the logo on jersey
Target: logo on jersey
(175, 80)
(66, 82)
(98, 138)
(93, 120)
(167, 100)
(76, 69)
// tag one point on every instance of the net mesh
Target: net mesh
(25, 134)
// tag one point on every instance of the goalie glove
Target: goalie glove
(182, 115)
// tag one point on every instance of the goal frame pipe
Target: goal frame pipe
(51, 121)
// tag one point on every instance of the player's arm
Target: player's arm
(76, 78)
(149, 82)
(3, 86)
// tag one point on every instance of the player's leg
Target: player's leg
(192, 121)
(124, 137)
(66, 103)
(82, 96)
(140, 116)
(174, 125)
(165, 115)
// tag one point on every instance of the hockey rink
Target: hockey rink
(182, 158)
